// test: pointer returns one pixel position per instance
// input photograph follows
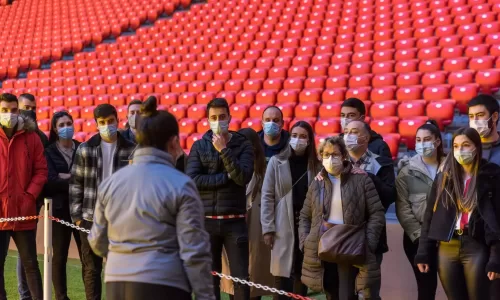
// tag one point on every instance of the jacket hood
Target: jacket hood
(374, 136)
(153, 155)
(236, 137)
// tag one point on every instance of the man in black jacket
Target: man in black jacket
(221, 165)
(354, 109)
(134, 107)
(381, 171)
(274, 138)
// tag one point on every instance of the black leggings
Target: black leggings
(461, 267)
(426, 282)
(122, 290)
(339, 281)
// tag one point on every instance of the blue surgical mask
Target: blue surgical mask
(66, 132)
(425, 149)
(219, 127)
(108, 131)
(271, 129)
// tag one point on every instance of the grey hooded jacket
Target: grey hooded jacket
(413, 184)
(149, 223)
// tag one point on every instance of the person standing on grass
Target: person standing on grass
(60, 155)
(95, 160)
(414, 183)
(149, 221)
(273, 137)
(24, 172)
(27, 109)
(221, 165)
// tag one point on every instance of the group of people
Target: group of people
(259, 204)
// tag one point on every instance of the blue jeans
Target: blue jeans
(231, 234)
(22, 283)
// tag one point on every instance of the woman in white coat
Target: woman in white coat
(284, 190)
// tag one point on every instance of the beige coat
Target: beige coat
(277, 213)
(260, 254)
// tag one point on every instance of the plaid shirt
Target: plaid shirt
(364, 161)
(86, 174)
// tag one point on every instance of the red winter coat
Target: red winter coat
(23, 172)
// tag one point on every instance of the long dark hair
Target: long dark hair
(433, 128)
(259, 169)
(312, 157)
(450, 191)
(155, 128)
(53, 135)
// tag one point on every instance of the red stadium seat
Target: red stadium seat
(411, 109)
(408, 128)
(330, 110)
(385, 125)
(442, 111)
(383, 109)
(327, 127)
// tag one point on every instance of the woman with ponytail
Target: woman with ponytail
(413, 184)
(149, 221)
(461, 228)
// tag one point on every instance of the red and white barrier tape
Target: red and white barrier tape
(229, 277)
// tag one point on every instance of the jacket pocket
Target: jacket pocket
(418, 204)
(27, 206)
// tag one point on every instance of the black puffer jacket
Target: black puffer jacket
(57, 188)
(484, 224)
(222, 177)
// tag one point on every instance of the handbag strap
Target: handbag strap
(297, 181)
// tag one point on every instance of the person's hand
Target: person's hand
(64, 175)
(269, 239)
(319, 177)
(219, 142)
(423, 268)
(77, 223)
(493, 275)
(356, 170)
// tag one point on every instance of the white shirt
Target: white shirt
(108, 151)
(336, 215)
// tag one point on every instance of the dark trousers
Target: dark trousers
(461, 267)
(26, 246)
(60, 243)
(339, 281)
(292, 284)
(121, 290)
(231, 234)
(426, 282)
(91, 266)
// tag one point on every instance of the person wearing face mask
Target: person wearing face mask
(461, 228)
(354, 109)
(24, 172)
(284, 190)
(27, 109)
(381, 171)
(94, 161)
(149, 215)
(273, 137)
(343, 197)
(483, 116)
(60, 154)
(222, 164)
(133, 110)
(413, 184)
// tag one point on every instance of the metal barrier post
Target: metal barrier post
(47, 256)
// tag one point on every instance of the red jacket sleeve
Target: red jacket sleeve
(40, 172)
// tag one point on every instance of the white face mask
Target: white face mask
(425, 149)
(344, 122)
(333, 165)
(481, 126)
(298, 145)
(219, 127)
(8, 120)
(464, 157)
(351, 142)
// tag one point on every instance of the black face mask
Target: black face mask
(28, 113)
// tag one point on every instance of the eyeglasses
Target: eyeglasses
(329, 155)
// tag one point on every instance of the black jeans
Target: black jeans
(26, 245)
(232, 234)
(294, 283)
(60, 243)
(91, 266)
(339, 281)
(121, 290)
(461, 267)
(426, 282)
